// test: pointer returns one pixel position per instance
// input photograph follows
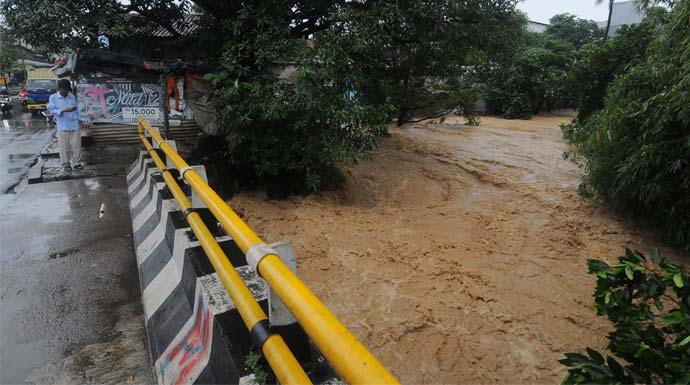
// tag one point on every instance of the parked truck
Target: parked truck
(40, 84)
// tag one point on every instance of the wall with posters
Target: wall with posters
(119, 100)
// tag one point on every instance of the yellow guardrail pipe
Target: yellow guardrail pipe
(348, 356)
(276, 351)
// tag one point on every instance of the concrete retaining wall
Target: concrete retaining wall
(195, 334)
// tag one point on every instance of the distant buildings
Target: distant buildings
(154, 41)
(624, 13)
(29, 57)
(535, 26)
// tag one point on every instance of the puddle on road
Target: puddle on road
(62, 254)
(93, 184)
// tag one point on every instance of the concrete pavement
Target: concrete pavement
(21, 139)
(69, 291)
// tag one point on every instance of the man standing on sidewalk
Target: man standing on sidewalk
(63, 106)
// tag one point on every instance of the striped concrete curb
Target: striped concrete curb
(195, 334)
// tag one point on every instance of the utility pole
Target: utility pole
(21, 57)
(2, 46)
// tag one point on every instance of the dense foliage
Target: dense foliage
(417, 52)
(599, 64)
(355, 65)
(8, 53)
(648, 302)
(535, 75)
(576, 31)
(638, 146)
(532, 78)
(298, 126)
(59, 25)
(364, 63)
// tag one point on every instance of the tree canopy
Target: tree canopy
(59, 25)
(358, 63)
(418, 52)
(533, 75)
(574, 30)
(362, 62)
(638, 145)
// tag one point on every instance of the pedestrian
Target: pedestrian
(63, 106)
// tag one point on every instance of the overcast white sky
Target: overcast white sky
(543, 10)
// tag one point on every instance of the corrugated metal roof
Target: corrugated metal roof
(187, 25)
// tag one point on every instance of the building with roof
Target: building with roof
(535, 26)
(157, 42)
(624, 13)
(31, 58)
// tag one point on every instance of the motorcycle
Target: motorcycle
(23, 102)
(50, 119)
(5, 105)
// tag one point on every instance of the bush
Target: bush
(295, 129)
(528, 81)
(599, 64)
(638, 146)
(519, 107)
(648, 302)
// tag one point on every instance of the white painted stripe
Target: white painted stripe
(169, 277)
(158, 234)
(149, 210)
(136, 165)
(144, 214)
(142, 193)
(139, 179)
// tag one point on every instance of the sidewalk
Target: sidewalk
(98, 160)
(69, 291)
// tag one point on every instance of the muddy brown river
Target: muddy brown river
(457, 255)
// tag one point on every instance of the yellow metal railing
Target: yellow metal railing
(277, 353)
(348, 356)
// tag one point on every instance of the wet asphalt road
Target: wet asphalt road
(21, 139)
(69, 290)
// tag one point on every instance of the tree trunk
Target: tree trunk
(608, 21)
(402, 115)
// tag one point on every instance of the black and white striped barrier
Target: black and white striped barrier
(195, 334)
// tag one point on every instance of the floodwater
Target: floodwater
(458, 254)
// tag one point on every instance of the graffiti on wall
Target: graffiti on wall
(105, 101)
(188, 354)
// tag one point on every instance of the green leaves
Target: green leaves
(58, 26)
(678, 280)
(573, 30)
(631, 293)
(292, 109)
(629, 272)
(632, 122)
(672, 318)
(531, 78)
(684, 342)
